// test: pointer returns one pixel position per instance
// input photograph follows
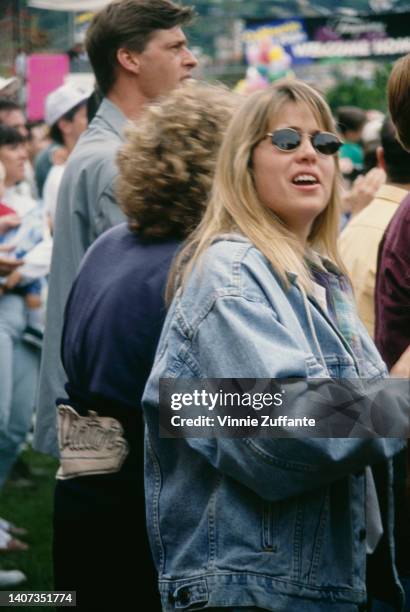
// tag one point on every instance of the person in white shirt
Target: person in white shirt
(19, 360)
(12, 115)
(66, 114)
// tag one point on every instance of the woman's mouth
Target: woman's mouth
(305, 181)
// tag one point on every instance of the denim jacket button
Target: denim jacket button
(362, 534)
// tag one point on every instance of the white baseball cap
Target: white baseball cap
(8, 86)
(62, 100)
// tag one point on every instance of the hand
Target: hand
(8, 265)
(8, 222)
(363, 190)
(346, 165)
(12, 280)
(6, 248)
(401, 368)
(59, 156)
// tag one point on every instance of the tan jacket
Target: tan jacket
(359, 245)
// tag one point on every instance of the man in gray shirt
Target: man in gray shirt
(138, 52)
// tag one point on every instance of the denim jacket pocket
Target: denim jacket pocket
(269, 527)
(330, 517)
(282, 534)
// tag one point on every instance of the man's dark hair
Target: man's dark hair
(10, 136)
(397, 159)
(129, 24)
(370, 160)
(93, 104)
(350, 118)
(6, 106)
(55, 132)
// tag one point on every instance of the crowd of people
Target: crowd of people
(165, 228)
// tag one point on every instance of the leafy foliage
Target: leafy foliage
(357, 92)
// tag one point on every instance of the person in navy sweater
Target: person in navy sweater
(113, 320)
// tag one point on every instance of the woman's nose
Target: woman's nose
(306, 148)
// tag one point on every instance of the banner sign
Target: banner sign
(45, 73)
(68, 5)
(313, 38)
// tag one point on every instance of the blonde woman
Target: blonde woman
(241, 525)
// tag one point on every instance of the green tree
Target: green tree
(356, 92)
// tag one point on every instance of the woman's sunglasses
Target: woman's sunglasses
(289, 139)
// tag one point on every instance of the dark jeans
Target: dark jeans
(100, 546)
(380, 606)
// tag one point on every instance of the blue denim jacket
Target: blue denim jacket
(273, 523)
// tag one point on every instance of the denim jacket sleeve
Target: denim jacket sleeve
(234, 330)
(274, 468)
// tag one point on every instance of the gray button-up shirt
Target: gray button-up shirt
(86, 207)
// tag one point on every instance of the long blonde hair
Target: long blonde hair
(234, 205)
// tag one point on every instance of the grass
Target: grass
(32, 508)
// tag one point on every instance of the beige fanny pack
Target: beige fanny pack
(90, 444)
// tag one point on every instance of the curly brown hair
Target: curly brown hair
(168, 161)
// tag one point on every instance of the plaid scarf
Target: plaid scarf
(340, 302)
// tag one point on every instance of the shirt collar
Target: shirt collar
(322, 263)
(391, 193)
(111, 114)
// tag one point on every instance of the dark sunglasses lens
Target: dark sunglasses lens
(286, 140)
(327, 144)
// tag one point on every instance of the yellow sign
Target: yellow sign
(83, 18)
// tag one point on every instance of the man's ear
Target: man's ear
(129, 60)
(380, 158)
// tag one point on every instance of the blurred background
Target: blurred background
(344, 47)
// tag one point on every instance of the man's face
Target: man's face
(74, 127)
(165, 63)
(15, 119)
(39, 140)
(80, 121)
